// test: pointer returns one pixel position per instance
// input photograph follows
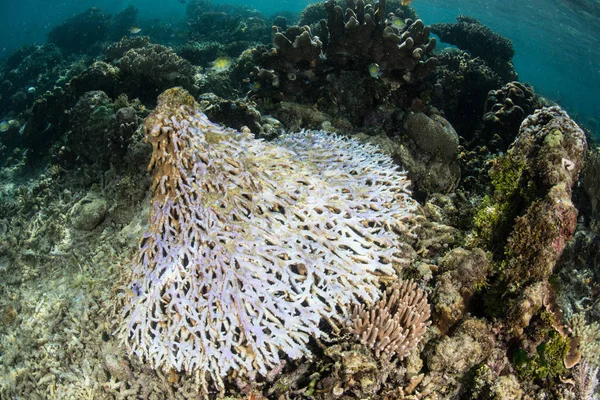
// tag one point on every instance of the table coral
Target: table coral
(251, 244)
(479, 40)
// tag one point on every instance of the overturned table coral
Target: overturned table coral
(251, 244)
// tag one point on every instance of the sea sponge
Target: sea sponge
(251, 244)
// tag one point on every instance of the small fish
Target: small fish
(397, 23)
(375, 71)
(31, 90)
(406, 2)
(221, 64)
(4, 126)
(134, 30)
(254, 86)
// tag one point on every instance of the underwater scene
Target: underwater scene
(341, 199)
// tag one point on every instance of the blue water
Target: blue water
(556, 42)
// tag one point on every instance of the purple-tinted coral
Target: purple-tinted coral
(251, 243)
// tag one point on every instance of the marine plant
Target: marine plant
(252, 244)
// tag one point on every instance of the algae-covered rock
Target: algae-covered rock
(463, 274)
(530, 216)
(89, 212)
(469, 345)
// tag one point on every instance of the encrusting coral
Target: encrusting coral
(251, 244)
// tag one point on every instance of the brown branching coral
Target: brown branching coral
(363, 35)
(395, 324)
(349, 40)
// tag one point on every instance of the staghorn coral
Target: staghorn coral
(586, 381)
(251, 244)
(395, 325)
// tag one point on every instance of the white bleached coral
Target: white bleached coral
(251, 243)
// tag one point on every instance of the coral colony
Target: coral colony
(251, 244)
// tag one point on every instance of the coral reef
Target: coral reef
(225, 23)
(98, 76)
(201, 53)
(504, 111)
(27, 72)
(92, 118)
(149, 70)
(433, 135)
(590, 180)
(247, 247)
(100, 130)
(237, 115)
(273, 265)
(551, 148)
(122, 22)
(460, 88)
(533, 182)
(82, 33)
(479, 40)
(117, 50)
(463, 275)
(395, 51)
(311, 69)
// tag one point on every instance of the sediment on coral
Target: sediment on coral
(241, 262)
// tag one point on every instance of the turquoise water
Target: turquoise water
(556, 42)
